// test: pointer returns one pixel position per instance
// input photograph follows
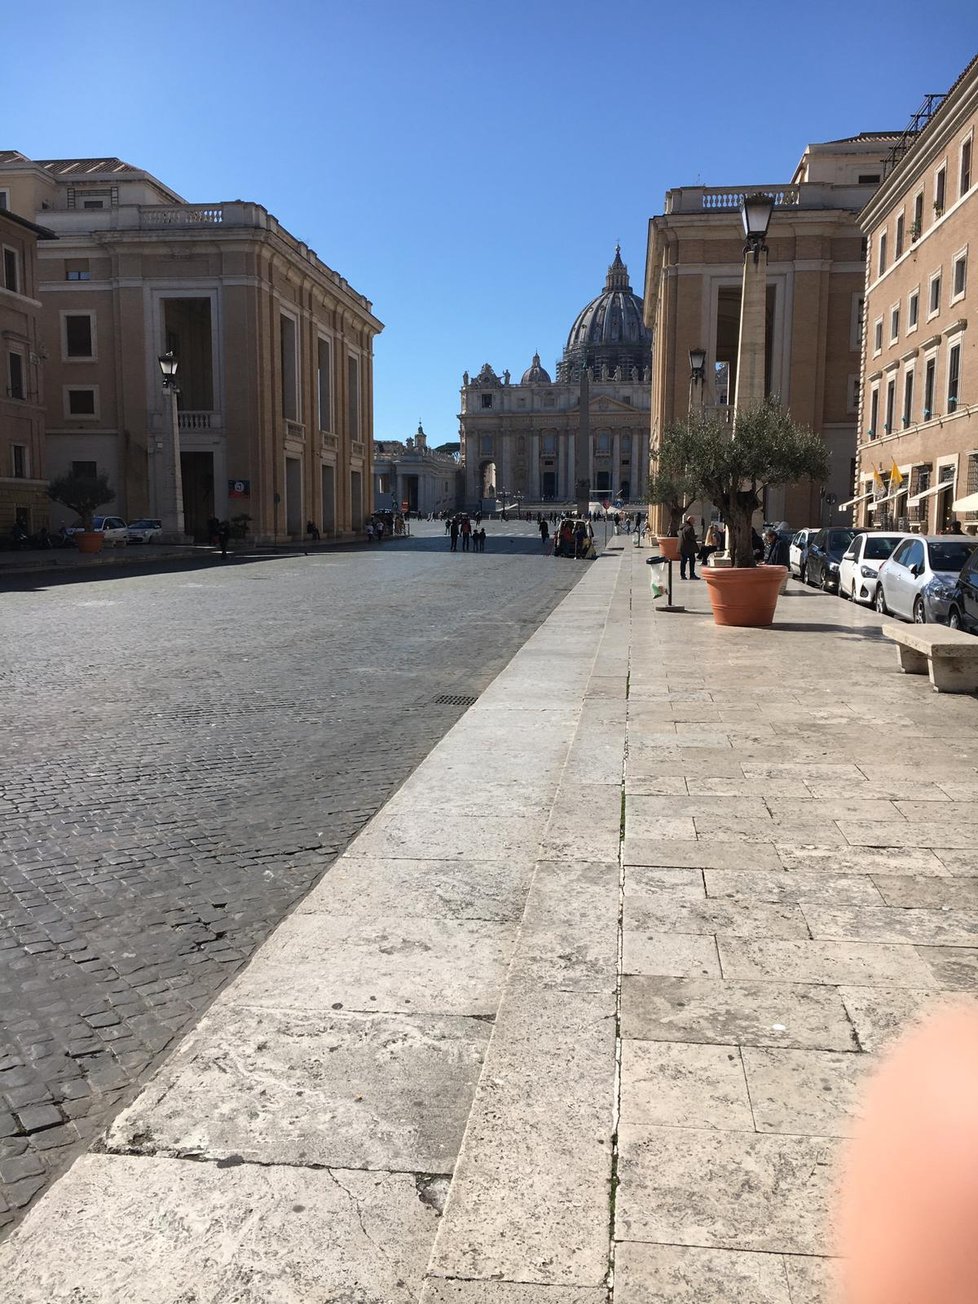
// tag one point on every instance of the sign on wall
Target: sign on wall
(239, 488)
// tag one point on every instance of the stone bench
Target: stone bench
(949, 656)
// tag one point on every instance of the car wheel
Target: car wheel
(852, 594)
(919, 614)
(879, 602)
(954, 618)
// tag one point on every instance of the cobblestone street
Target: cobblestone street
(185, 752)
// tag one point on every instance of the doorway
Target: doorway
(197, 473)
(329, 500)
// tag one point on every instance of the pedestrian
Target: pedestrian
(213, 531)
(775, 550)
(710, 544)
(954, 527)
(688, 548)
(448, 522)
(544, 529)
(312, 531)
(223, 535)
(466, 533)
(453, 531)
(370, 531)
(757, 544)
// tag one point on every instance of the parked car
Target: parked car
(962, 605)
(113, 528)
(861, 563)
(917, 581)
(145, 530)
(825, 553)
(798, 551)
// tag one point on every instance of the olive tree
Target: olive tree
(83, 494)
(733, 469)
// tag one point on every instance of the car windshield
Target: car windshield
(839, 540)
(879, 546)
(949, 556)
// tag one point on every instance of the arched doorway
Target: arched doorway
(487, 480)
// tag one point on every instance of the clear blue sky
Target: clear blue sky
(468, 165)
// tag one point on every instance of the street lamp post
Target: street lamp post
(697, 375)
(755, 213)
(171, 497)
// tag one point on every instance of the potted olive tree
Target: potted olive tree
(671, 487)
(767, 449)
(83, 494)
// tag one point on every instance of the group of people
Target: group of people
(770, 549)
(472, 535)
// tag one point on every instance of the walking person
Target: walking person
(223, 535)
(688, 548)
(466, 533)
(544, 534)
(453, 531)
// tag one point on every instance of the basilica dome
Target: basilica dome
(536, 374)
(610, 331)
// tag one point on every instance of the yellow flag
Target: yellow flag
(896, 477)
(878, 480)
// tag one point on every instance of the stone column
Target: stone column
(582, 447)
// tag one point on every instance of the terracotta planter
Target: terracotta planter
(89, 541)
(742, 595)
(669, 546)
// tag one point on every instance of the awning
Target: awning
(969, 504)
(929, 493)
(890, 498)
(852, 501)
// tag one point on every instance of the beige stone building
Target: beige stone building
(410, 475)
(815, 282)
(23, 477)
(520, 439)
(918, 429)
(274, 348)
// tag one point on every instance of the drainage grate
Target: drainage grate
(455, 699)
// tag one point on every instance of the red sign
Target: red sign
(239, 488)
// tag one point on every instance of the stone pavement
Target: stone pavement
(581, 1013)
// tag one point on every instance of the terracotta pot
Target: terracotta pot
(669, 546)
(89, 541)
(744, 595)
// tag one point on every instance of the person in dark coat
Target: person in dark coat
(688, 548)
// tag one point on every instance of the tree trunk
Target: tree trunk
(740, 543)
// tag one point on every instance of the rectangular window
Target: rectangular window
(965, 167)
(913, 309)
(550, 444)
(894, 325)
(908, 397)
(4, 199)
(487, 400)
(852, 394)
(19, 460)
(878, 335)
(940, 190)
(81, 402)
(953, 370)
(918, 217)
(855, 323)
(288, 336)
(85, 470)
(934, 303)
(15, 372)
(930, 375)
(874, 412)
(959, 277)
(79, 341)
(76, 269)
(882, 260)
(11, 270)
(353, 397)
(890, 400)
(325, 385)
(898, 242)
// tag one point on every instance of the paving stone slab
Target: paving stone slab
(957, 861)
(168, 1231)
(918, 926)
(683, 1084)
(531, 1191)
(346, 1091)
(508, 1292)
(674, 1274)
(880, 1014)
(569, 930)
(745, 959)
(442, 836)
(955, 968)
(729, 1190)
(408, 965)
(727, 1013)
(669, 954)
(907, 834)
(689, 853)
(446, 889)
(660, 912)
(794, 886)
(813, 1279)
(924, 891)
(805, 1092)
(682, 884)
(860, 860)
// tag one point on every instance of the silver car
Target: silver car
(916, 582)
(145, 530)
(798, 551)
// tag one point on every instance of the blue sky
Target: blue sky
(467, 166)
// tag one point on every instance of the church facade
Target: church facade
(535, 440)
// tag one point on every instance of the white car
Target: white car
(113, 528)
(145, 530)
(861, 563)
(798, 551)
